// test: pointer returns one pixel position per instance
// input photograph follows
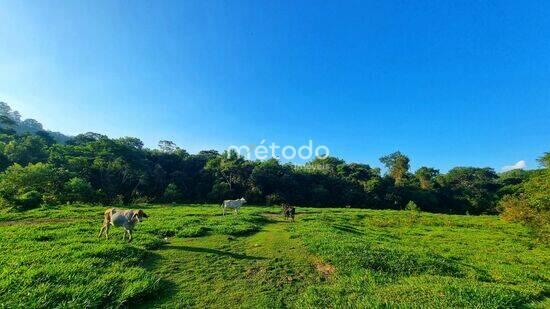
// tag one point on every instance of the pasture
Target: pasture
(192, 256)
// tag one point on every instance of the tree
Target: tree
(358, 172)
(46, 137)
(231, 168)
(397, 165)
(171, 194)
(8, 114)
(27, 149)
(167, 146)
(426, 176)
(544, 160)
(24, 186)
(6, 121)
(470, 189)
(78, 190)
(131, 142)
(272, 178)
(537, 189)
(325, 165)
(86, 138)
(31, 125)
(5, 109)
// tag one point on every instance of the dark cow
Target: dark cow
(289, 211)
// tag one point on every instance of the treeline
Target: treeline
(91, 168)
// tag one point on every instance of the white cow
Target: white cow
(235, 204)
(125, 218)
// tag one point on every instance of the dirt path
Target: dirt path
(267, 269)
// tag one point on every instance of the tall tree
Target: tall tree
(397, 165)
(426, 176)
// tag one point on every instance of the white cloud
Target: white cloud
(519, 165)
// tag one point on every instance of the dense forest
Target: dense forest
(47, 168)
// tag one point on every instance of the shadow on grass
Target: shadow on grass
(347, 229)
(163, 290)
(213, 251)
(158, 294)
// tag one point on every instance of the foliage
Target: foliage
(518, 209)
(25, 187)
(544, 160)
(470, 189)
(171, 194)
(426, 176)
(529, 202)
(28, 200)
(411, 206)
(94, 168)
(397, 165)
(79, 190)
(537, 189)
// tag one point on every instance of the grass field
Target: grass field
(191, 256)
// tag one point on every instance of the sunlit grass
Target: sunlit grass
(193, 256)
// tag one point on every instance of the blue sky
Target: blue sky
(449, 83)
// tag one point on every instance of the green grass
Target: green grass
(191, 256)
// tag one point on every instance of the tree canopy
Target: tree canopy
(37, 169)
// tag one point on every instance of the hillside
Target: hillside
(11, 120)
(193, 256)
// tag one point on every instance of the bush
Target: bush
(29, 200)
(171, 193)
(27, 187)
(273, 199)
(79, 190)
(220, 191)
(118, 200)
(51, 199)
(518, 209)
(411, 206)
(5, 204)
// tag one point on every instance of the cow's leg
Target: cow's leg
(106, 230)
(224, 210)
(129, 235)
(124, 234)
(105, 226)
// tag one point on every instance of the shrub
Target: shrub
(219, 192)
(171, 193)
(31, 199)
(518, 209)
(21, 186)
(118, 200)
(273, 199)
(411, 206)
(51, 199)
(79, 190)
(4, 204)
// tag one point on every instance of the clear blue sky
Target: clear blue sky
(447, 82)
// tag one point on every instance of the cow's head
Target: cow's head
(140, 215)
(242, 200)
